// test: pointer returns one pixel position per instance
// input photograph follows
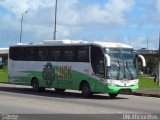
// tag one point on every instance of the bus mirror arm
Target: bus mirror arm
(143, 60)
(108, 59)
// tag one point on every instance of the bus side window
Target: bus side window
(12, 53)
(68, 54)
(30, 54)
(55, 54)
(16, 53)
(42, 54)
(82, 54)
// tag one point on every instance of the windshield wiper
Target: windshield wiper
(118, 69)
(129, 70)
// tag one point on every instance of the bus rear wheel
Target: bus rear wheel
(113, 95)
(35, 86)
(86, 90)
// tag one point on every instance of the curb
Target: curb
(134, 93)
(146, 94)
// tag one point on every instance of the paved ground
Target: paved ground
(22, 100)
(152, 91)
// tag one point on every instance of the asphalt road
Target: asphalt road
(16, 99)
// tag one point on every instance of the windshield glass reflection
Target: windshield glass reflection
(123, 64)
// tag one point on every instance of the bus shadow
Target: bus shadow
(54, 94)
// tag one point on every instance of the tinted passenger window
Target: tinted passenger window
(65, 53)
(16, 53)
(30, 54)
(55, 54)
(82, 54)
(68, 54)
(42, 54)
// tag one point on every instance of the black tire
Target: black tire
(42, 89)
(86, 90)
(113, 95)
(35, 86)
(59, 90)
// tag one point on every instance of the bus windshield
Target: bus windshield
(123, 64)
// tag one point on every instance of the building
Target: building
(4, 54)
(150, 68)
(149, 53)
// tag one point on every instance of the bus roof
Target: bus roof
(112, 44)
(80, 42)
(77, 42)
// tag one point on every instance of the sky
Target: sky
(123, 21)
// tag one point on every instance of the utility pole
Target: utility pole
(55, 22)
(22, 27)
(147, 43)
(159, 61)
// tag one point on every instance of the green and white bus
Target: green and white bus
(91, 67)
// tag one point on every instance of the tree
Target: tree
(152, 65)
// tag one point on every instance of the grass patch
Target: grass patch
(3, 76)
(145, 82)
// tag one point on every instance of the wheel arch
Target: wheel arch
(33, 78)
(82, 82)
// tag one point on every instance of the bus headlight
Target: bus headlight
(136, 84)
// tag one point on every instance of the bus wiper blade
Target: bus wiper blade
(118, 69)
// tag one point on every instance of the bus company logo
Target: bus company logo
(64, 71)
(48, 74)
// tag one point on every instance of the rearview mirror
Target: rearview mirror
(143, 60)
(108, 59)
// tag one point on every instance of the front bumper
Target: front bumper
(120, 90)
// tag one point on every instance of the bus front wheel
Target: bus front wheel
(85, 90)
(113, 95)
